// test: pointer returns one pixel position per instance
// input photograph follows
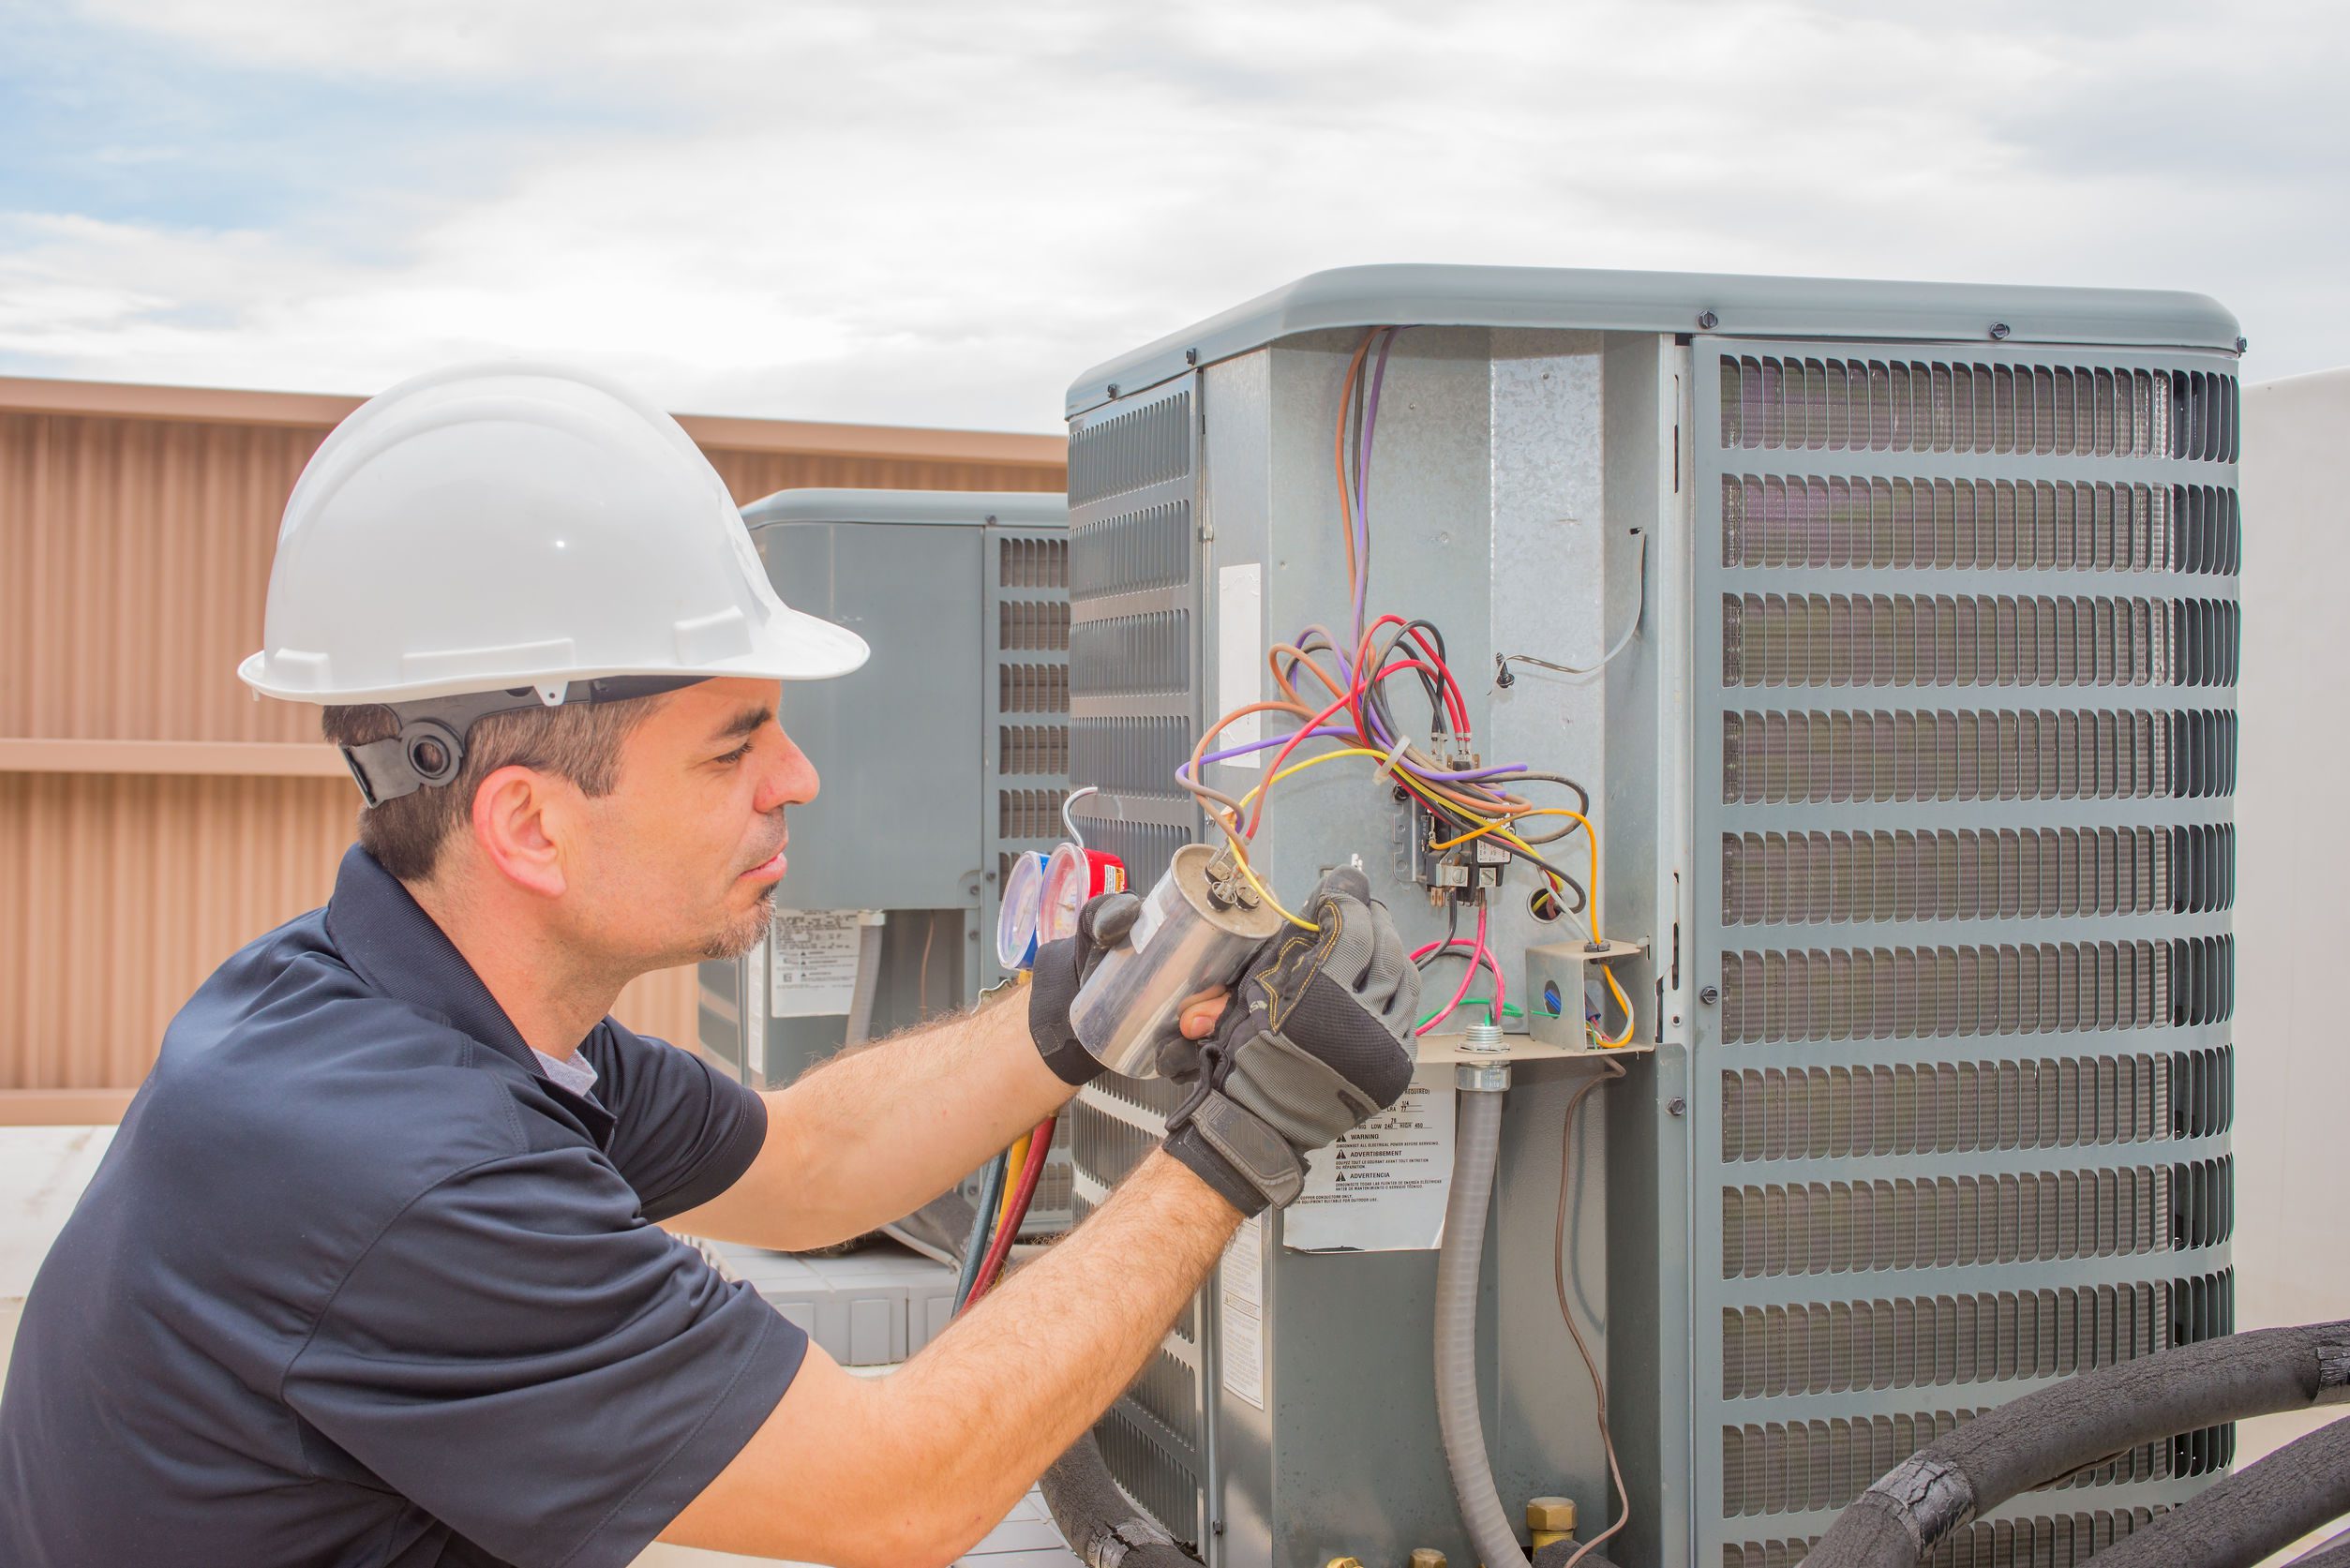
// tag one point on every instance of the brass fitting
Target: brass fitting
(1344, 1562)
(1427, 1557)
(1550, 1520)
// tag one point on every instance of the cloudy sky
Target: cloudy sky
(940, 214)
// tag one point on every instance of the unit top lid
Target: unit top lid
(1026, 509)
(1741, 305)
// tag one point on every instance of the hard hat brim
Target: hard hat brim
(792, 646)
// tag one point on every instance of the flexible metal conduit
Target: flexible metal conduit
(2045, 1436)
(1458, 1262)
(868, 983)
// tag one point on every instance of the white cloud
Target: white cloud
(943, 214)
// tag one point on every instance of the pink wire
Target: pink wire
(1501, 986)
(1477, 955)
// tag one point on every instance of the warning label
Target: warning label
(1242, 1320)
(812, 962)
(1382, 1187)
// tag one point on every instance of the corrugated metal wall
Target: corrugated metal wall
(134, 555)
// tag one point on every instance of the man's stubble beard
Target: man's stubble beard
(745, 932)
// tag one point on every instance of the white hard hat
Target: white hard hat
(495, 527)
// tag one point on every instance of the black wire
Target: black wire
(1452, 934)
(1374, 686)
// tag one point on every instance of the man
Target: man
(373, 1273)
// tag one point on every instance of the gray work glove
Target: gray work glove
(1313, 1045)
(1060, 970)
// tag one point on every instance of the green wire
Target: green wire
(1509, 1011)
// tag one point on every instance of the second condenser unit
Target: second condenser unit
(941, 759)
(1889, 631)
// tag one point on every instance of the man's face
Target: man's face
(680, 860)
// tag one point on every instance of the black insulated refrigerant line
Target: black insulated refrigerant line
(1102, 1527)
(2045, 1435)
(2261, 1509)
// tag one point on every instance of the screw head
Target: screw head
(2243, 343)
(1707, 320)
(1999, 330)
(1114, 389)
(1709, 995)
(1676, 1106)
(1191, 356)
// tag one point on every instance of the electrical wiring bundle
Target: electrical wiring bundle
(1466, 803)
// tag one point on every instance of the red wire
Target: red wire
(1040, 1149)
(1466, 980)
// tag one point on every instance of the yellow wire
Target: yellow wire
(1014, 1163)
(1497, 826)
(1314, 761)
(1630, 1023)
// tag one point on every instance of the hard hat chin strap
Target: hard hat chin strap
(429, 748)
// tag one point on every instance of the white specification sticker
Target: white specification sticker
(812, 962)
(1240, 656)
(1242, 1334)
(1383, 1187)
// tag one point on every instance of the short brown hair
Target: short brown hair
(579, 742)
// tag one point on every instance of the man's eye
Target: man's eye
(738, 754)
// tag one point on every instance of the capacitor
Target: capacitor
(1197, 931)
(1016, 919)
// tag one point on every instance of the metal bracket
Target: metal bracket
(1557, 977)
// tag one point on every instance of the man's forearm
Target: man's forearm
(879, 1132)
(1035, 1362)
(915, 1467)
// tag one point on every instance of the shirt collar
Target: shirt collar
(396, 947)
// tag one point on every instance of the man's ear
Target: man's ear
(512, 828)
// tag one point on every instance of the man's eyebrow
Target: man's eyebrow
(748, 722)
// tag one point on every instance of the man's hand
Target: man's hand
(1316, 1047)
(1060, 970)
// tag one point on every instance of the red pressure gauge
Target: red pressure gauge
(1071, 877)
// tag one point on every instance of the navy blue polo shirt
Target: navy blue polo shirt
(356, 1284)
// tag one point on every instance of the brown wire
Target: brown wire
(1558, 1278)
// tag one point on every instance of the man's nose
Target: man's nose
(790, 781)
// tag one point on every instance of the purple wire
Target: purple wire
(1362, 481)
(1333, 732)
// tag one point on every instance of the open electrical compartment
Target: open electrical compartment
(1887, 633)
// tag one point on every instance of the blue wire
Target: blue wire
(983, 1228)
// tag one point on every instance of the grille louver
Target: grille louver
(1132, 693)
(2031, 1217)
(2054, 1102)
(2057, 1541)
(1837, 1346)
(1844, 405)
(1895, 639)
(1970, 754)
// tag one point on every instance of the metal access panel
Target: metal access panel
(1966, 631)
(940, 758)
(1203, 528)
(1874, 1175)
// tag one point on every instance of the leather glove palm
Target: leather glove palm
(1060, 969)
(1314, 1046)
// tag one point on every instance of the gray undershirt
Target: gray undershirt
(575, 1072)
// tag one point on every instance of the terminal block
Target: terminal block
(1462, 872)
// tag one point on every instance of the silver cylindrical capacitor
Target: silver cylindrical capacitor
(1191, 936)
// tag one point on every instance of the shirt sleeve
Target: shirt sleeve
(523, 1357)
(684, 1132)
